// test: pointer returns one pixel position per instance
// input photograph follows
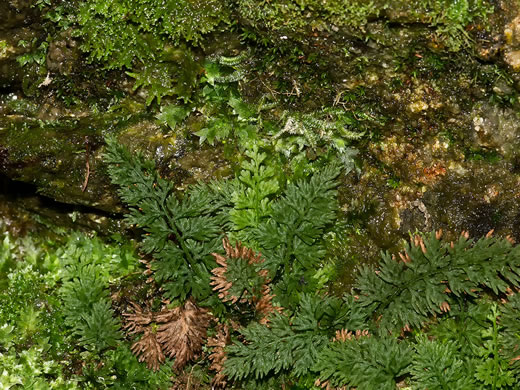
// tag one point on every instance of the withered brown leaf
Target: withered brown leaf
(218, 355)
(138, 321)
(149, 350)
(183, 332)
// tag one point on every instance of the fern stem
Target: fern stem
(495, 349)
(177, 235)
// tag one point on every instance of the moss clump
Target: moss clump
(449, 18)
(291, 14)
(118, 32)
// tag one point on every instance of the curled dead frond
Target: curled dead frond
(345, 334)
(183, 331)
(149, 350)
(218, 355)
(137, 321)
(264, 305)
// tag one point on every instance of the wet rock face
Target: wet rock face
(497, 128)
(17, 13)
(438, 113)
(512, 44)
(64, 159)
(63, 54)
(482, 198)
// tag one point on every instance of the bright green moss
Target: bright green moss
(449, 18)
(119, 32)
(317, 14)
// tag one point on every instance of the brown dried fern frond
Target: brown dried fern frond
(137, 321)
(183, 332)
(264, 305)
(345, 334)
(149, 350)
(218, 355)
(241, 251)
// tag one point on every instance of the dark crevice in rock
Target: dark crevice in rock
(23, 210)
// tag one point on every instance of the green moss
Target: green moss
(316, 14)
(448, 17)
(119, 32)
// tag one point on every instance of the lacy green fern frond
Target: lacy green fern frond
(181, 235)
(86, 302)
(438, 365)
(492, 369)
(510, 336)
(252, 200)
(463, 325)
(291, 239)
(81, 288)
(98, 328)
(290, 344)
(364, 362)
(433, 274)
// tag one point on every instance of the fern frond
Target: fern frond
(98, 328)
(137, 321)
(433, 274)
(237, 278)
(364, 362)
(292, 238)
(511, 332)
(252, 199)
(438, 366)
(183, 332)
(290, 344)
(218, 355)
(181, 235)
(148, 349)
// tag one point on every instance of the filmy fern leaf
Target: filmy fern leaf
(438, 366)
(364, 362)
(180, 234)
(433, 274)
